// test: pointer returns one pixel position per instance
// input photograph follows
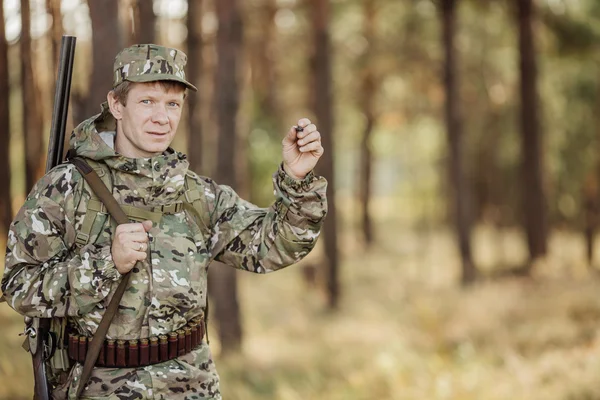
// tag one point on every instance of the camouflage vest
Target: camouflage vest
(95, 217)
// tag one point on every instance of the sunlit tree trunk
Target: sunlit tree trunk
(32, 116)
(323, 109)
(223, 280)
(534, 204)
(460, 198)
(367, 105)
(107, 41)
(5, 199)
(194, 74)
(56, 30)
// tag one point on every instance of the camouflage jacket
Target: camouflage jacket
(48, 275)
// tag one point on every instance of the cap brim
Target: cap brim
(160, 77)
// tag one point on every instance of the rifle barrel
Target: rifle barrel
(55, 157)
(61, 102)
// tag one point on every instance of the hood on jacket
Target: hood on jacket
(158, 179)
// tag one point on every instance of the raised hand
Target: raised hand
(301, 149)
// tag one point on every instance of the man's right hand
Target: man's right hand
(129, 245)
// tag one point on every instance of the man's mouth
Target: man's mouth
(158, 133)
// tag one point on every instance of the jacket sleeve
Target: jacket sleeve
(267, 239)
(45, 273)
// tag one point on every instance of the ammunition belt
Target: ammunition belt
(141, 352)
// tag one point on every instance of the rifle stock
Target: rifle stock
(38, 329)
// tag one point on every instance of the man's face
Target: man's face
(148, 123)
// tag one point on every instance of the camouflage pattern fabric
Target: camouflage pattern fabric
(149, 63)
(47, 274)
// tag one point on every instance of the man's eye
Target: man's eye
(145, 101)
(173, 104)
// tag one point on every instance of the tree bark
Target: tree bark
(223, 281)
(55, 38)
(367, 106)
(107, 41)
(534, 204)
(5, 199)
(146, 21)
(32, 117)
(194, 75)
(56, 31)
(263, 71)
(322, 106)
(460, 189)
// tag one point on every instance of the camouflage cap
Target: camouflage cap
(150, 63)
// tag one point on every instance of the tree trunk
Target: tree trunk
(56, 31)
(146, 21)
(263, 68)
(107, 41)
(534, 204)
(591, 203)
(223, 281)
(322, 106)
(367, 106)
(194, 75)
(32, 117)
(55, 38)
(461, 205)
(589, 197)
(5, 199)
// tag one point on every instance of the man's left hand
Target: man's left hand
(301, 150)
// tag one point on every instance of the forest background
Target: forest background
(462, 138)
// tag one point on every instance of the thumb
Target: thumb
(291, 136)
(147, 225)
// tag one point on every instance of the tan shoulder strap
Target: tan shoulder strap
(120, 217)
(193, 201)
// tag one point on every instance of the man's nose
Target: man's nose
(160, 115)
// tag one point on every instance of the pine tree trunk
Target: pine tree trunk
(534, 204)
(107, 41)
(56, 31)
(322, 106)
(367, 99)
(460, 189)
(263, 67)
(146, 21)
(5, 198)
(223, 279)
(194, 75)
(32, 116)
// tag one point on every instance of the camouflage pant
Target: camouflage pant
(189, 377)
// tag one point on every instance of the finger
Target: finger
(303, 122)
(313, 146)
(129, 228)
(137, 246)
(307, 130)
(313, 137)
(128, 237)
(291, 136)
(147, 225)
(139, 256)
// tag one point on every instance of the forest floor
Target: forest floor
(404, 329)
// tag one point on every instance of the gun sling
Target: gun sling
(97, 343)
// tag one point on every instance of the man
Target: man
(65, 257)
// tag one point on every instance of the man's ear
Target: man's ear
(114, 105)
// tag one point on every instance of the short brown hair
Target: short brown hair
(122, 90)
